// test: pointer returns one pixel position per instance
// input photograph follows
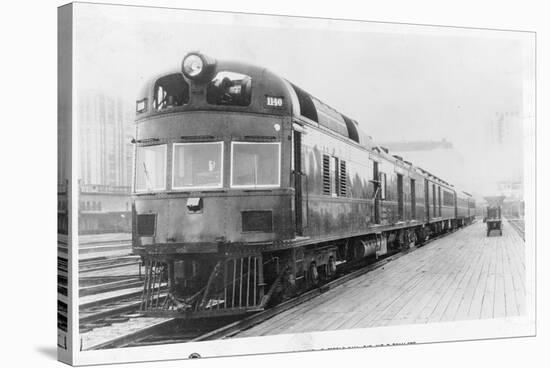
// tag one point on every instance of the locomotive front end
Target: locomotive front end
(210, 190)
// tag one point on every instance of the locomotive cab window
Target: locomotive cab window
(255, 164)
(150, 168)
(170, 91)
(197, 165)
(229, 88)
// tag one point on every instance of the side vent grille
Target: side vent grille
(326, 174)
(260, 221)
(146, 224)
(343, 179)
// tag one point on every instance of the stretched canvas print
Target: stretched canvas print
(235, 184)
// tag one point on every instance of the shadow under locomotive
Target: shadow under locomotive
(248, 190)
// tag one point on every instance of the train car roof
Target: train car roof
(303, 106)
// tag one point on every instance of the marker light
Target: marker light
(141, 105)
(193, 65)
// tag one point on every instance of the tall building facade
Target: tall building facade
(105, 129)
(504, 137)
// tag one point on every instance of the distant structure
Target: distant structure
(504, 145)
(104, 209)
(62, 208)
(105, 130)
(514, 205)
(504, 128)
(511, 189)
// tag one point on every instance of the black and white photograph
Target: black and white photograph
(246, 183)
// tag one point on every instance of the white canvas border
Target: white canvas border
(321, 341)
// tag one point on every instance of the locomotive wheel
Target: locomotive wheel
(313, 273)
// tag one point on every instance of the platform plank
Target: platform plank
(465, 275)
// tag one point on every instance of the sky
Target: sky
(400, 82)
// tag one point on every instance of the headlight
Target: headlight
(192, 65)
(197, 66)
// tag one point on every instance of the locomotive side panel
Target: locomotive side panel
(339, 193)
(406, 197)
(404, 193)
(447, 204)
(388, 199)
(420, 208)
(462, 207)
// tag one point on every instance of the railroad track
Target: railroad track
(164, 331)
(174, 330)
(101, 247)
(518, 225)
(104, 285)
(106, 263)
(113, 307)
(107, 298)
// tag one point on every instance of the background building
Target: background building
(104, 209)
(513, 205)
(105, 128)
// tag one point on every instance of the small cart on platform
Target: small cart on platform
(493, 215)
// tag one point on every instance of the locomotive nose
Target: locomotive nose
(198, 224)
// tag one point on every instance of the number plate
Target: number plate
(272, 101)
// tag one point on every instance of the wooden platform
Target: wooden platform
(465, 275)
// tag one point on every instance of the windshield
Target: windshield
(229, 88)
(198, 165)
(150, 168)
(171, 91)
(255, 164)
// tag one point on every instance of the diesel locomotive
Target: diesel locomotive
(248, 190)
